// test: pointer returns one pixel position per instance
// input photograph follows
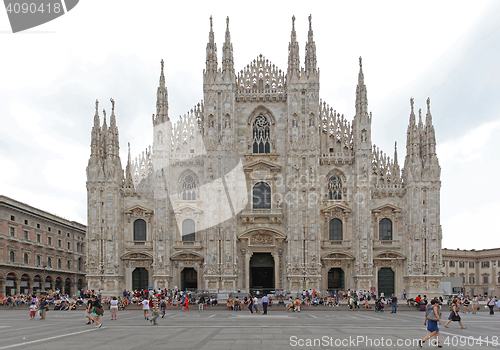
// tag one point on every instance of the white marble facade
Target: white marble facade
(271, 179)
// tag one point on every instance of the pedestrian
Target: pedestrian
(186, 304)
(201, 303)
(454, 315)
(256, 304)
(265, 302)
(432, 318)
(250, 304)
(155, 315)
(297, 304)
(163, 306)
(382, 296)
(237, 303)
(97, 311)
(491, 304)
(475, 304)
(32, 310)
(113, 308)
(394, 304)
(88, 311)
(44, 306)
(145, 308)
(404, 294)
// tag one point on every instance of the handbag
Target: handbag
(99, 311)
(430, 315)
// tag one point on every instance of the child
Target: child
(32, 310)
(155, 316)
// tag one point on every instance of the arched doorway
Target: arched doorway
(336, 280)
(140, 279)
(261, 273)
(48, 283)
(67, 286)
(25, 284)
(10, 284)
(189, 279)
(59, 284)
(386, 281)
(37, 283)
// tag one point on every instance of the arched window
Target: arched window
(188, 231)
(49, 262)
(188, 188)
(38, 260)
(59, 263)
(79, 264)
(334, 188)
(261, 140)
(335, 230)
(261, 196)
(25, 258)
(12, 256)
(385, 230)
(68, 265)
(139, 230)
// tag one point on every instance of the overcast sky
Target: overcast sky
(51, 75)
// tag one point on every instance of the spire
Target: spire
(211, 62)
(293, 53)
(429, 131)
(161, 100)
(112, 119)
(129, 183)
(361, 95)
(227, 55)
(409, 133)
(310, 60)
(395, 153)
(97, 122)
(428, 119)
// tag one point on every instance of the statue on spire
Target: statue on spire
(161, 62)
(112, 104)
(360, 62)
(310, 24)
(428, 104)
(96, 106)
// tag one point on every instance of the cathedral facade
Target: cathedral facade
(263, 186)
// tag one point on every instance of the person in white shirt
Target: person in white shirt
(145, 308)
(113, 308)
(256, 305)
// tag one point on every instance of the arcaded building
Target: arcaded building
(39, 251)
(264, 186)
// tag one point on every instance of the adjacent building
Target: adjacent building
(478, 269)
(264, 186)
(39, 251)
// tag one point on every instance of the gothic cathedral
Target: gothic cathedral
(262, 186)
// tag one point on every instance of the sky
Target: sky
(51, 75)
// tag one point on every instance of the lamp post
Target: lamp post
(44, 265)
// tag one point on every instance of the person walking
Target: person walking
(394, 304)
(155, 315)
(475, 304)
(250, 304)
(405, 294)
(236, 303)
(454, 315)
(265, 302)
(256, 304)
(491, 304)
(113, 308)
(163, 306)
(186, 304)
(97, 311)
(44, 305)
(145, 308)
(88, 310)
(432, 318)
(201, 303)
(32, 310)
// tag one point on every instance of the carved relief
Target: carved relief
(262, 239)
